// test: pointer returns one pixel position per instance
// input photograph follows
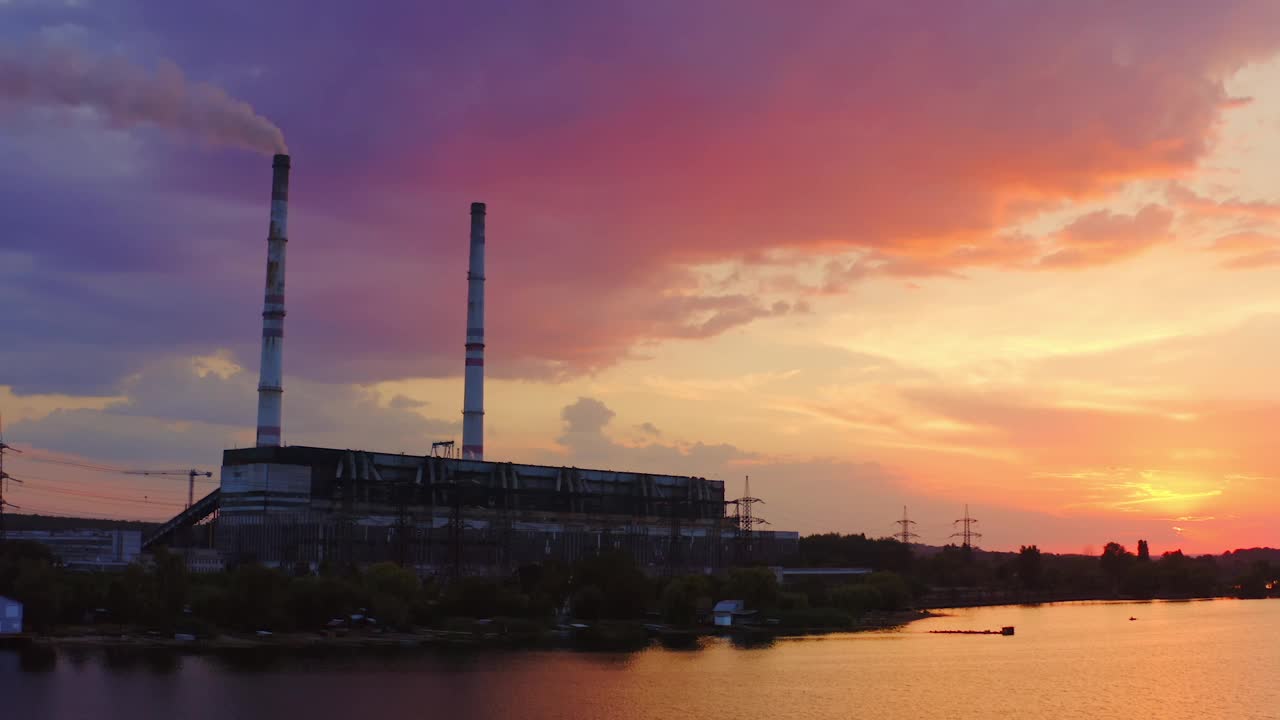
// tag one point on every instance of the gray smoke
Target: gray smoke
(130, 95)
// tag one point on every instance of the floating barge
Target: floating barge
(1006, 630)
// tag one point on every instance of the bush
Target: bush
(316, 600)
(626, 591)
(258, 598)
(682, 597)
(588, 603)
(895, 594)
(793, 601)
(389, 610)
(755, 586)
(856, 598)
(391, 579)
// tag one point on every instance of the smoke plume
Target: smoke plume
(129, 95)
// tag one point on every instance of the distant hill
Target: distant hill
(50, 522)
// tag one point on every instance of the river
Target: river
(1202, 659)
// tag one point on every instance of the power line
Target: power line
(34, 510)
(98, 496)
(123, 485)
(104, 468)
(191, 474)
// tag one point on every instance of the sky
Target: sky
(1019, 256)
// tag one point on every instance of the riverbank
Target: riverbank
(499, 633)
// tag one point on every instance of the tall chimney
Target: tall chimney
(473, 391)
(271, 370)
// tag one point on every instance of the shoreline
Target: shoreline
(608, 635)
(626, 635)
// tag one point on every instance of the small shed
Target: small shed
(10, 616)
(726, 610)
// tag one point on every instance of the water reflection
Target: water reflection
(681, 641)
(1212, 659)
(37, 659)
(158, 661)
(751, 641)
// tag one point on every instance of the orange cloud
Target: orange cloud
(1103, 237)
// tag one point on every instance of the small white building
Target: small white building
(10, 616)
(725, 610)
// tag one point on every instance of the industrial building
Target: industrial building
(87, 549)
(441, 512)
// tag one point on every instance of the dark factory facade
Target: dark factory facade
(304, 506)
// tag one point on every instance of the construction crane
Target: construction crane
(191, 474)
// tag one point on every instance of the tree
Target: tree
(1257, 581)
(1144, 553)
(893, 590)
(1030, 567)
(855, 598)
(588, 603)
(38, 587)
(682, 597)
(258, 598)
(627, 592)
(172, 584)
(755, 586)
(1115, 562)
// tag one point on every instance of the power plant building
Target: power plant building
(293, 506)
(287, 506)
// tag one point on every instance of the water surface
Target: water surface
(1208, 659)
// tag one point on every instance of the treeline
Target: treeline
(1116, 572)
(55, 522)
(165, 597)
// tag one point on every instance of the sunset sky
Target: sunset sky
(1020, 255)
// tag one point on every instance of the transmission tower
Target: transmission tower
(5, 479)
(967, 534)
(905, 533)
(747, 520)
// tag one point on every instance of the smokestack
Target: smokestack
(473, 391)
(271, 371)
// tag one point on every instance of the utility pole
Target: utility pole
(967, 534)
(904, 528)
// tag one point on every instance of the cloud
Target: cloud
(1104, 237)
(649, 428)
(1098, 238)
(1193, 203)
(587, 416)
(614, 156)
(170, 412)
(401, 402)
(586, 442)
(817, 494)
(1253, 261)
(1248, 249)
